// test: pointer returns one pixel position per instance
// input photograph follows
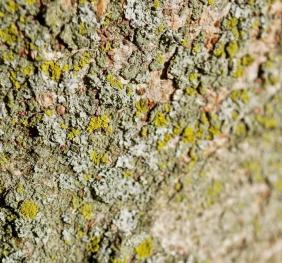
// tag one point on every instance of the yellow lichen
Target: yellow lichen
(29, 209)
(214, 131)
(238, 71)
(13, 78)
(7, 56)
(176, 130)
(93, 245)
(160, 59)
(232, 23)
(51, 68)
(49, 112)
(254, 169)
(278, 185)
(240, 129)
(156, 4)
(189, 135)
(82, 28)
(9, 35)
(3, 160)
(166, 107)
(160, 120)
(232, 48)
(245, 96)
(12, 6)
(63, 126)
(114, 82)
(193, 76)
(127, 173)
(235, 95)
(120, 260)
(219, 50)
(73, 133)
(267, 122)
(160, 29)
(196, 48)
(83, 61)
(141, 107)
(27, 70)
(144, 131)
(98, 158)
(144, 249)
(247, 60)
(20, 189)
(204, 118)
(75, 202)
(87, 211)
(185, 42)
(80, 234)
(99, 122)
(30, 2)
(215, 189)
(87, 177)
(163, 142)
(213, 192)
(190, 91)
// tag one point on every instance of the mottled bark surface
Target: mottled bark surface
(140, 131)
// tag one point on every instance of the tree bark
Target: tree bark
(140, 131)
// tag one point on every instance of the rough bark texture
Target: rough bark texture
(140, 131)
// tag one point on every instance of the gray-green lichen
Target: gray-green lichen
(140, 131)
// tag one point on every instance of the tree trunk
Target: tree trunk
(140, 131)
